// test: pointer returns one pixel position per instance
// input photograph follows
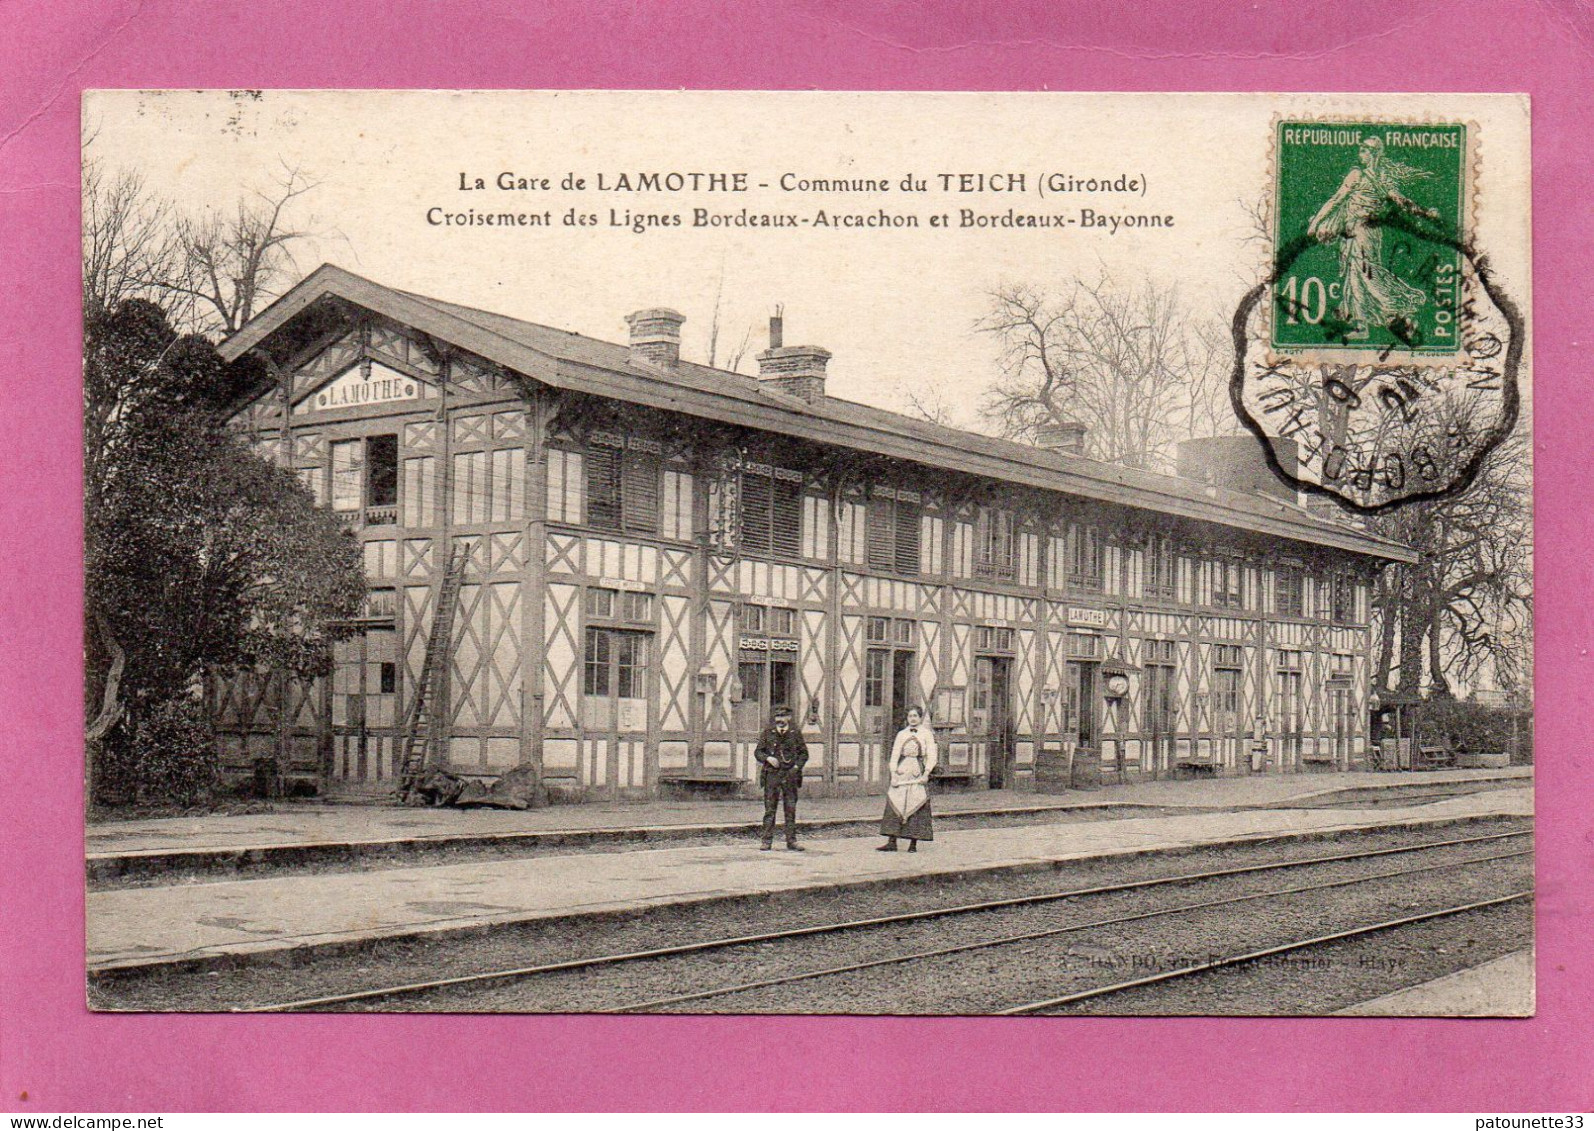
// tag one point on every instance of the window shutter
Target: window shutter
(788, 518)
(756, 513)
(603, 488)
(907, 533)
(640, 493)
(880, 533)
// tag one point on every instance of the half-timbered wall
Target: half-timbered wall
(1009, 592)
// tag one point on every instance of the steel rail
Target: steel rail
(1032, 936)
(522, 972)
(1256, 955)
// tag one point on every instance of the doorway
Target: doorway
(1342, 708)
(615, 706)
(1079, 711)
(1291, 722)
(1159, 718)
(364, 705)
(1228, 723)
(993, 699)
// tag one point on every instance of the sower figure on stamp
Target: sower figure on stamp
(782, 754)
(913, 758)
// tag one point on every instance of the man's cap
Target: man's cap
(783, 712)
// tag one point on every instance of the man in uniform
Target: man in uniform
(781, 754)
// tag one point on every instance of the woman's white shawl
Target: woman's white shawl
(913, 757)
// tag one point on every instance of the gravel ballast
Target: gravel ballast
(397, 961)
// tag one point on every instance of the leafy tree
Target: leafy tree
(199, 554)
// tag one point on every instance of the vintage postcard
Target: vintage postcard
(696, 552)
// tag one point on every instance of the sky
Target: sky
(897, 308)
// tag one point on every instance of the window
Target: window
(1228, 656)
(1226, 699)
(381, 480)
(1084, 646)
(1085, 558)
(1159, 651)
(1288, 592)
(988, 638)
(615, 663)
(566, 477)
(600, 602)
(904, 631)
(1343, 609)
(381, 604)
(1289, 661)
(752, 618)
(1160, 569)
(678, 505)
(389, 678)
(348, 474)
(750, 674)
(874, 677)
(612, 604)
(623, 490)
(893, 538)
(782, 622)
(878, 630)
(1226, 584)
(995, 544)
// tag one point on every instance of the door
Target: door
(993, 690)
(1159, 718)
(1227, 724)
(615, 706)
(1079, 711)
(902, 695)
(364, 706)
(1291, 723)
(1343, 716)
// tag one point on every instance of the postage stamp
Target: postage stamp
(1379, 346)
(1368, 219)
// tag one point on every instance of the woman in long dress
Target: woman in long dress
(913, 758)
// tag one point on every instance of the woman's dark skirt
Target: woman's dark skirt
(916, 827)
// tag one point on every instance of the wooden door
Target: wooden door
(1291, 721)
(1228, 722)
(615, 704)
(1159, 717)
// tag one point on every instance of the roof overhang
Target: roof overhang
(1038, 469)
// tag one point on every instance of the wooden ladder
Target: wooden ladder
(421, 731)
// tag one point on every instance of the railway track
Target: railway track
(369, 996)
(1198, 968)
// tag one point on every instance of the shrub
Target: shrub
(1475, 729)
(166, 755)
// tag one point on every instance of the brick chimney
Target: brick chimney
(655, 337)
(1067, 437)
(797, 371)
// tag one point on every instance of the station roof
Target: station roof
(566, 360)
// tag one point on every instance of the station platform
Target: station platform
(310, 832)
(199, 924)
(1502, 988)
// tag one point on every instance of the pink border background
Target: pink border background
(66, 1059)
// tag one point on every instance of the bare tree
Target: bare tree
(1124, 361)
(130, 244)
(234, 263)
(735, 357)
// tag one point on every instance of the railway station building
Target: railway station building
(652, 554)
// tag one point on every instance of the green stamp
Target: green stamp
(1369, 226)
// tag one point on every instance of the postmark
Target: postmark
(1380, 343)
